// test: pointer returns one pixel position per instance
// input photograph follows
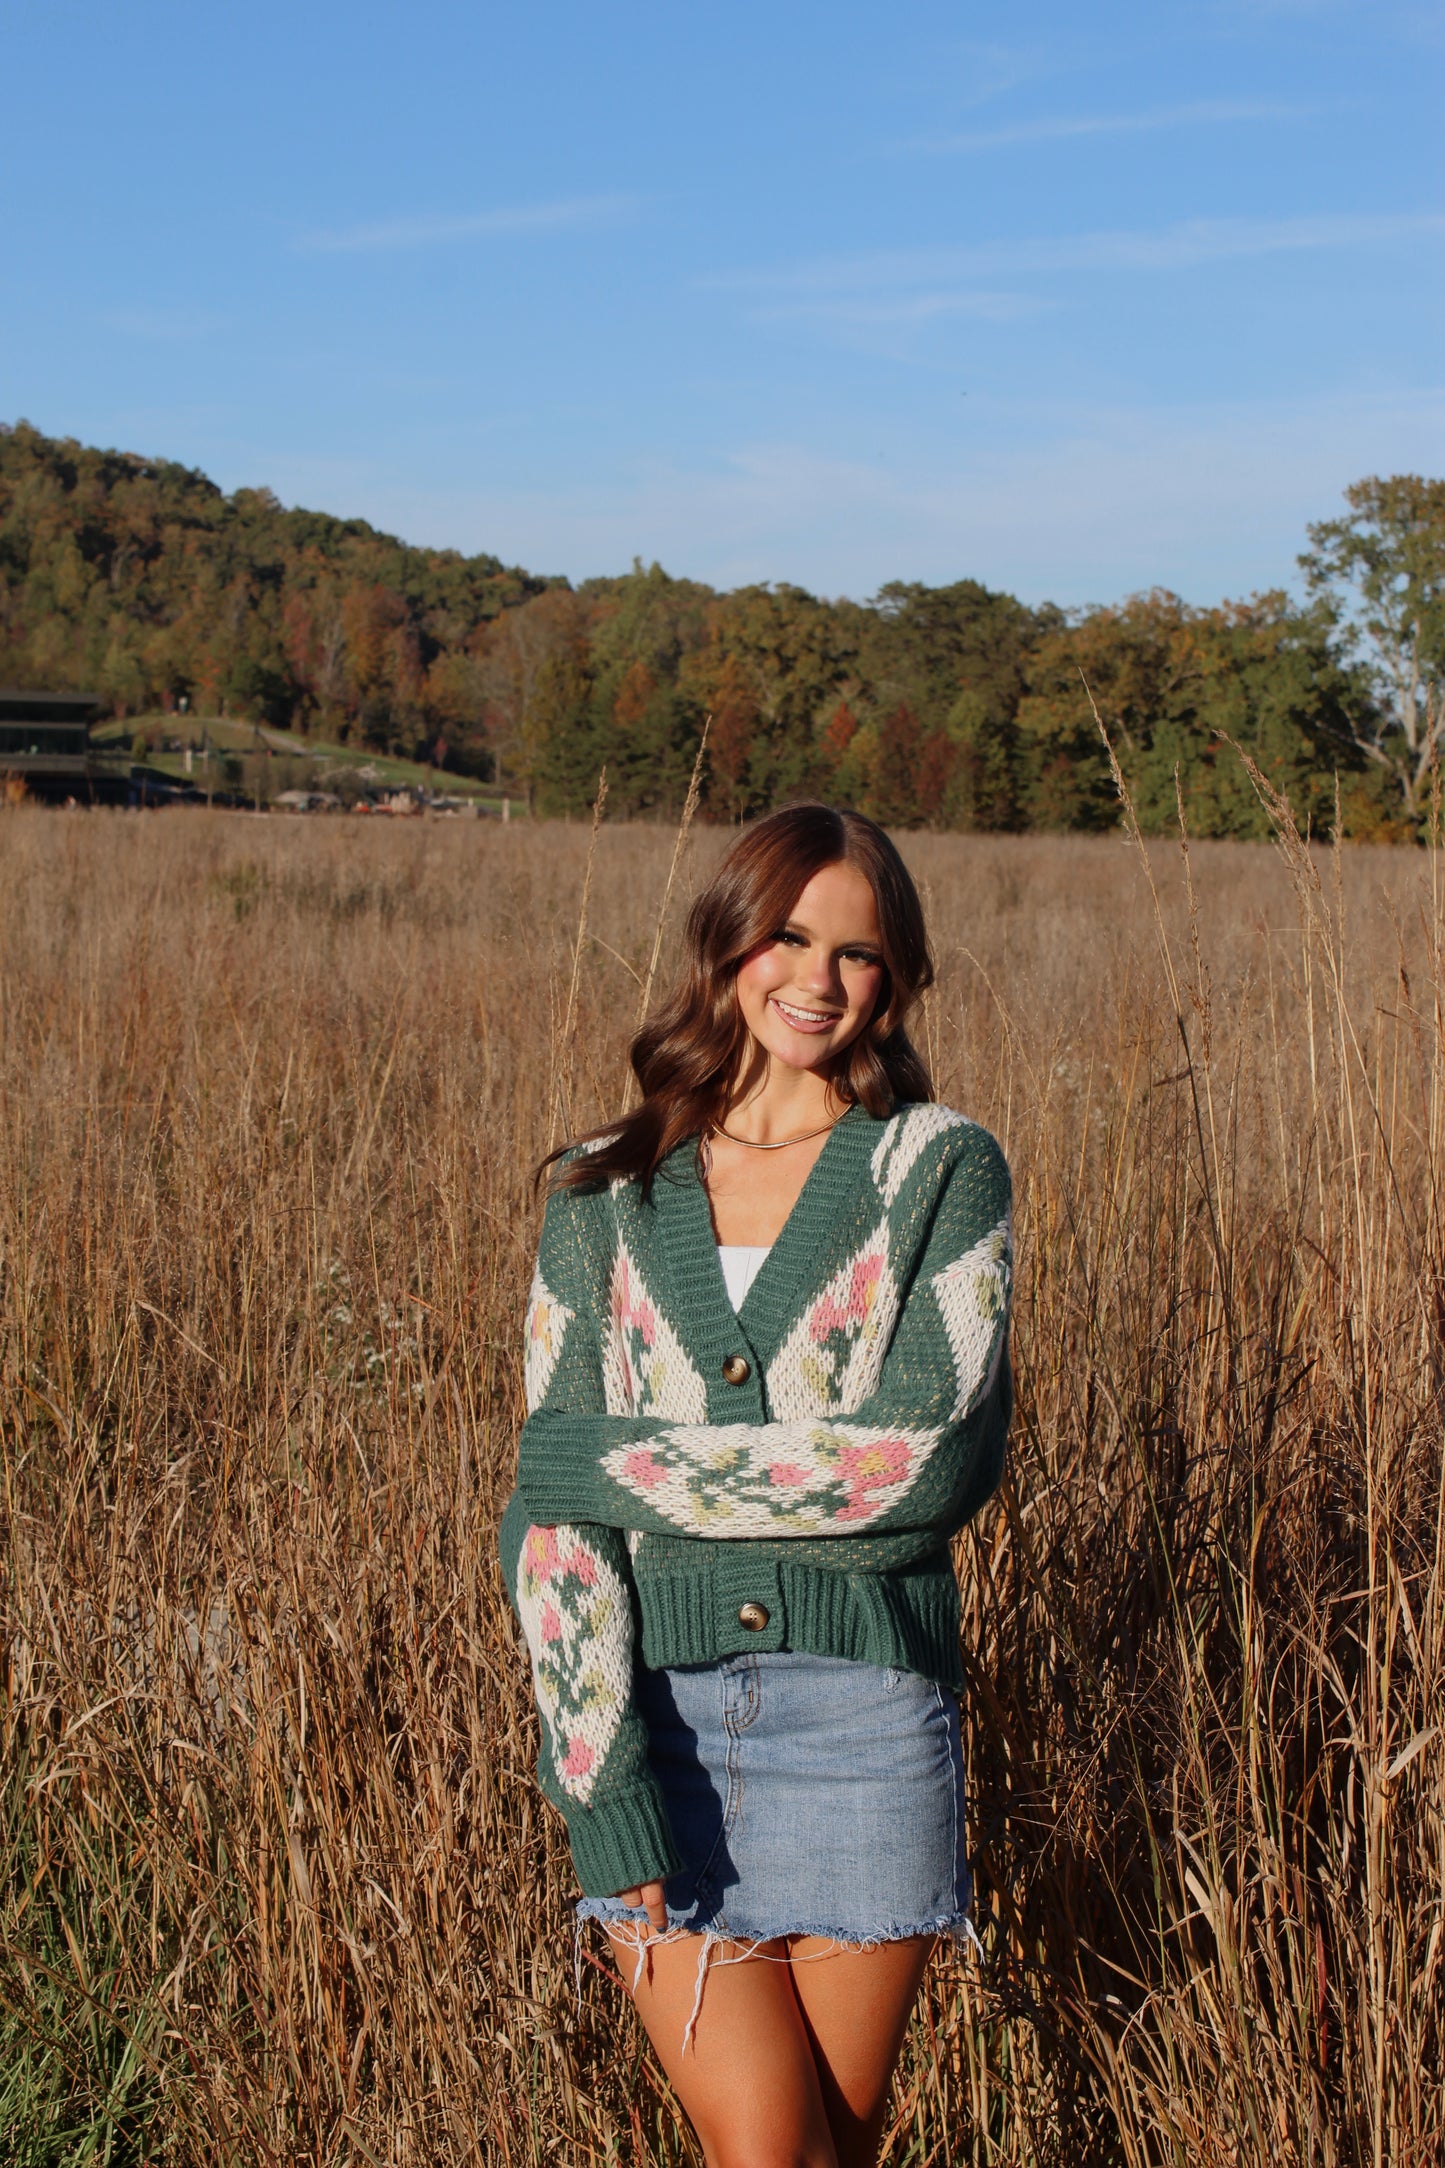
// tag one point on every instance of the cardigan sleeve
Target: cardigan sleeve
(571, 1586)
(916, 1456)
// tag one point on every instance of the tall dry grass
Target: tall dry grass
(277, 1887)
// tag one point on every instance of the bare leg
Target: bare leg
(788, 2065)
(856, 2005)
(748, 2081)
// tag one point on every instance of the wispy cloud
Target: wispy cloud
(1080, 505)
(985, 71)
(1297, 7)
(407, 233)
(1167, 248)
(906, 309)
(1063, 127)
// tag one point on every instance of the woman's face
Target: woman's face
(808, 991)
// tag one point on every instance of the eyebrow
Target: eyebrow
(798, 925)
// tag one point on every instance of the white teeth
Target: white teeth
(807, 1016)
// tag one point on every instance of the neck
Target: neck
(787, 1103)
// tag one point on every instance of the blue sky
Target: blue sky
(1071, 300)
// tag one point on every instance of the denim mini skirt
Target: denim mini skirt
(808, 1795)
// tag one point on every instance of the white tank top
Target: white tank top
(740, 1267)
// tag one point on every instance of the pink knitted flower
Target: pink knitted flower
(541, 1552)
(786, 1474)
(580, 1758)
(628, 1312)
(881, 1460)
(830, 1315)
(644, 1468)
(867, 1468)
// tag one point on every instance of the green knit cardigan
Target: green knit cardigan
(697, 1482)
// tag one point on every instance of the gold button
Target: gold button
(754, 1616)
(737, 1369)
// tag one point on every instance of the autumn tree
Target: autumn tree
(793, 653)
(844, 756)
(525, 717)
(953, 706)
(958, 657)
(726, 691)
(140, 580)
(909, 772)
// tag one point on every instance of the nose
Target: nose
(819, 975)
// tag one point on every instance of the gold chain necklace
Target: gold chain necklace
(782, 1143)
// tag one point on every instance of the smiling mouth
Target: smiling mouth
(806, 1019)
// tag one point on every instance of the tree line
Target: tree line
(955, 706)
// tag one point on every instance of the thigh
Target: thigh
(746, 2079)
(855, 2006)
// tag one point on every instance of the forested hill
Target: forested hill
(950, 706)
(139, 579)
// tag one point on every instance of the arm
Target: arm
(571, 1588)
(917, 1455)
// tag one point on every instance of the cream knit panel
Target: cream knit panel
(575, 1615)
(831, 1359)
(773, 1479)
(973, 1294)
(645, 1368)
(904, 1137)
(573, 1607)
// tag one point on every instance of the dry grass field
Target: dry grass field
(276, 1886)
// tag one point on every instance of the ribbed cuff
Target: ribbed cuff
(562, 1482)
(622, 1841)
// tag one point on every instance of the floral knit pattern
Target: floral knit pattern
(778, 1479)
(832, 1356)
(645, 1369)
(672, 1450)
(574, 1614)
(973, 1295)
(547, 1322)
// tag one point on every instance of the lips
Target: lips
(807, 1020)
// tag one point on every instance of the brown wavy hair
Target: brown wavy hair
(694, 1056)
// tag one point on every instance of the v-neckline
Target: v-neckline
(770, 1301)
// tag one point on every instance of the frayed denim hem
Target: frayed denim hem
(732, 1946)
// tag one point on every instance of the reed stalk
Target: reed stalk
(277, 1886)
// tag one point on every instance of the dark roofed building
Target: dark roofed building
(45, 742)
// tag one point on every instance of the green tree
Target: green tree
(981, 790)
(564, 753)
(1173, 685)
(794, 654)
(1381, 572)
(958, 658)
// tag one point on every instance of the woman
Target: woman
(767, 1379)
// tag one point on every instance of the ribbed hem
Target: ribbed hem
(692, 1618)
(622, 1841)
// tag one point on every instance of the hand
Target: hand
(650, 1897)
